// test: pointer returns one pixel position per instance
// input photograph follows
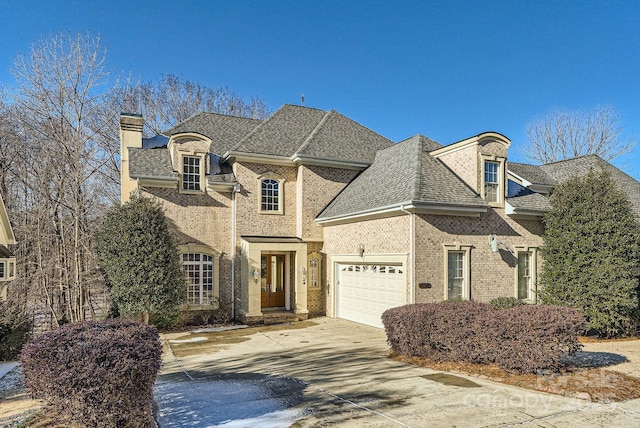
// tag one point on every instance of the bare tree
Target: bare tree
(58, 103)
(59, 163)
(174, 99)
(565, 134)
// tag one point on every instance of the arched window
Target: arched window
(199, 270)
(271, 194)
(314, 279)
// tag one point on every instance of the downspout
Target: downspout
(412, 228)
(236, 189)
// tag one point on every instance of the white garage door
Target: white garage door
(365, 291)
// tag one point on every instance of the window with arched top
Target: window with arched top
(271, 194)
(200, 265)
(314, 270)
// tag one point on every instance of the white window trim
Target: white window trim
(281, 181)
(206, 250)
(466, 249)
(533, 274)
(203, 170)
(9, 269)
(501, 161)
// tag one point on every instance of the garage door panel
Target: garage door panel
(364, 292)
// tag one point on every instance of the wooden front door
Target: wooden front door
(272, 281)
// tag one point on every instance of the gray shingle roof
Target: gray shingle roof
(282, 133)
(402, 174)
(566, 169)
(223, 131)
(530, 201)
(150, 163)
(340, 138)
(429, 144)
(303, 131)
(5, 253)
(535, 174)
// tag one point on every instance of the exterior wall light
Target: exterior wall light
(303, 274)
(361, 250)
(493, 242)
(256, 275)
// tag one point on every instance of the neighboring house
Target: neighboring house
(309, 213)
(7, 259)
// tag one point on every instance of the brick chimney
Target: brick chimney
(130, 137)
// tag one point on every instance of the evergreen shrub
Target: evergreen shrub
(521, 339)
(96, 374)
(506, 302)
(15, 331)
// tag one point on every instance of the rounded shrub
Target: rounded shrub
(96, 374)
(506, 302)
(522, 339)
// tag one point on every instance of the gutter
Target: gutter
(412, 260)
(236, 189)
(411, 206)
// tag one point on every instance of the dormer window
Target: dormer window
(271, 189)
(191, 168)
(493, 180)
(192, 172)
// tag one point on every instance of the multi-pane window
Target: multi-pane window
(491, 181)
(314, 273)
(2, 276)
(455, 275)
(199, 270)
(270, 195)
(524, 276)
(191, 169)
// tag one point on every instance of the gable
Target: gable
(404, 177)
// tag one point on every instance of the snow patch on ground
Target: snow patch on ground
(217, 329)
(193, 339)
(229, 401)
(277, 419)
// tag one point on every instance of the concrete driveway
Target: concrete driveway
(331, 372)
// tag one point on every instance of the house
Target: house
(7, 259)
(308, 213)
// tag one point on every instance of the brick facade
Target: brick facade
(233, 226)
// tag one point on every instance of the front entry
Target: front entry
(272, 273)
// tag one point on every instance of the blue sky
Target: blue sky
(446, 69)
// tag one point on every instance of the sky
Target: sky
(445, 69)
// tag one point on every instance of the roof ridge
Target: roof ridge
(418, 169)
(315, 131)
(574, 158)
(256, 128)
(189, 119)
(302, 107)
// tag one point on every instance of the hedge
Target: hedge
(520, 339)
(96, 374)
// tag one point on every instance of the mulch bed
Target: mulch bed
(584, 377)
